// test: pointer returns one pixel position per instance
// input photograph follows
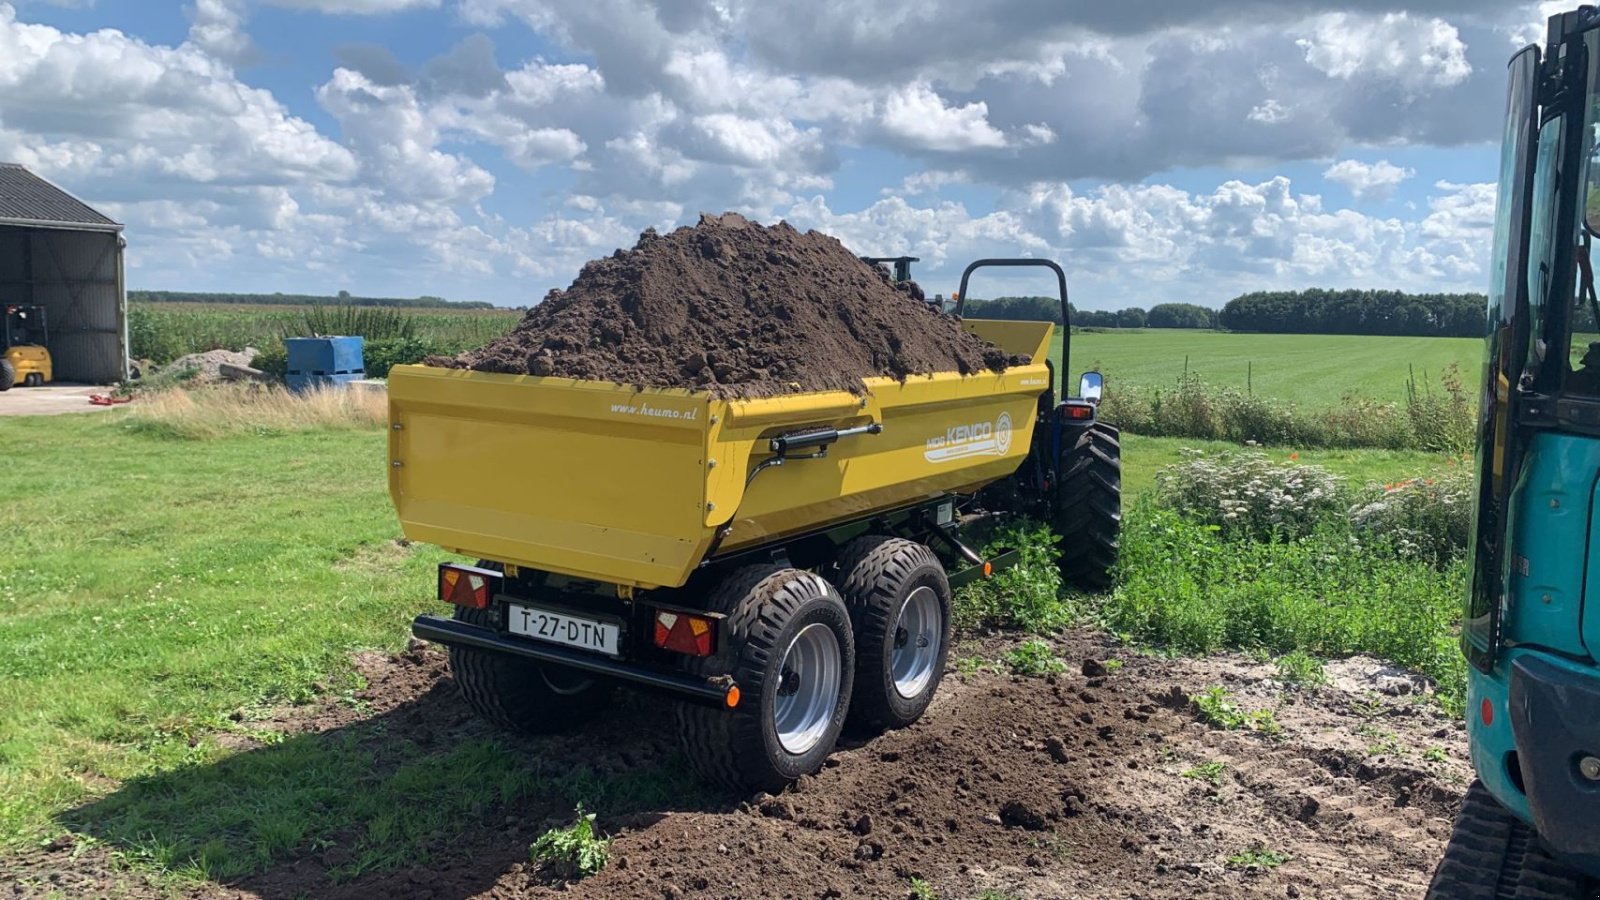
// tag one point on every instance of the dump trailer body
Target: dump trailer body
(635, 486)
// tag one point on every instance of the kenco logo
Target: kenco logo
(977, 439)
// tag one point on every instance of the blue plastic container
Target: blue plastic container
(333, 361)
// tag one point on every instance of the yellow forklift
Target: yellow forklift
(24, 358)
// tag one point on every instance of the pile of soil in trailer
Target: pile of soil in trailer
(737, 308)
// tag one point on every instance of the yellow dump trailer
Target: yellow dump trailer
(777, 564)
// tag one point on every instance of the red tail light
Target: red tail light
(1077, 412)
(687, 633)
(468, 586)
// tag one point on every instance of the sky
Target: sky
(484, 149)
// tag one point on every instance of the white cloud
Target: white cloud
(356, 7)
(398, 141)
(657, 111)
(1368, 181)
(217, 27)
(103, 105)
(919, 116)
(1418, 53)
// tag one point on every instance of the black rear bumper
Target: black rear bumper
(439, 630)
(1555, 716)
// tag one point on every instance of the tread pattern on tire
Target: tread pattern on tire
(1492, 855)
(726, 748)
(8, 375)
(871, 570)
(1088, 512)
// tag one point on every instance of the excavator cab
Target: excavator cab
(24, 355)
(1531, 629)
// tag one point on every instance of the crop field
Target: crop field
(1312, 370)
(164, 331)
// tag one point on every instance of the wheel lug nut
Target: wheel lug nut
(1590, 767)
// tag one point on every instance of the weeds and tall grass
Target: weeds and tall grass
(1028, 595)
(1433, 417)
(1247, 496)
(574, 852)
(1187, 586)
(1240, 552)
(222, 410)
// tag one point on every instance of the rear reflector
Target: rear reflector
(687, 633)
(468, 586)
(1078, 412)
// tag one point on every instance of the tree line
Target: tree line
(343, 298)
(1320, 311)
(1315, 311)
(1048, 309)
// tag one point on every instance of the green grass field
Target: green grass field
(1313, 370)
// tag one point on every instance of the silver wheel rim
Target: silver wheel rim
(917, 633)
(808, 688)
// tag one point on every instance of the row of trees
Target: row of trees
(1314, 311)
(1048, 309)
(343, 298)
(1356, 312)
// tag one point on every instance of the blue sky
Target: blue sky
(484, 149)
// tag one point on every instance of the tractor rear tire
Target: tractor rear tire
(899, 600)
(787, 644)
(522, 695)
(8, 375)
(1088, 507)
(1492, 855)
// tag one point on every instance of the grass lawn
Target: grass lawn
(158, 593)
(1314, 370)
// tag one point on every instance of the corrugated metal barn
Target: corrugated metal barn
(58, 252)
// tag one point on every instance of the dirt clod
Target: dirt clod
(1017, 814)
(738, 309)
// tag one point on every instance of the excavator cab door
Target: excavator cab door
(1499, 444)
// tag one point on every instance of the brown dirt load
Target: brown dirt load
(1101, 785)
(737, 308)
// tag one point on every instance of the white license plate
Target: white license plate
(562, 628)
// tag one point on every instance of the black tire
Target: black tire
(8, 375)
(34, 379)
(1088, 508)
(767, 607)
(521, 695)
(877, 576)
(1492, 855)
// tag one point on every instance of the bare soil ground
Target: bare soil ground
(1067, 786)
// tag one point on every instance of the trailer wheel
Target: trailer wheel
(1492, 855)
(8, 375)
(899, 600)
(519, 694)
(787, 644)
(1088, 512)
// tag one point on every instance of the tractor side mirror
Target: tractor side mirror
(1091, 386)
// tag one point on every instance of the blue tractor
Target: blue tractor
(1530, 825)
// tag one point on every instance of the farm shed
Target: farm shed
(59, 253)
